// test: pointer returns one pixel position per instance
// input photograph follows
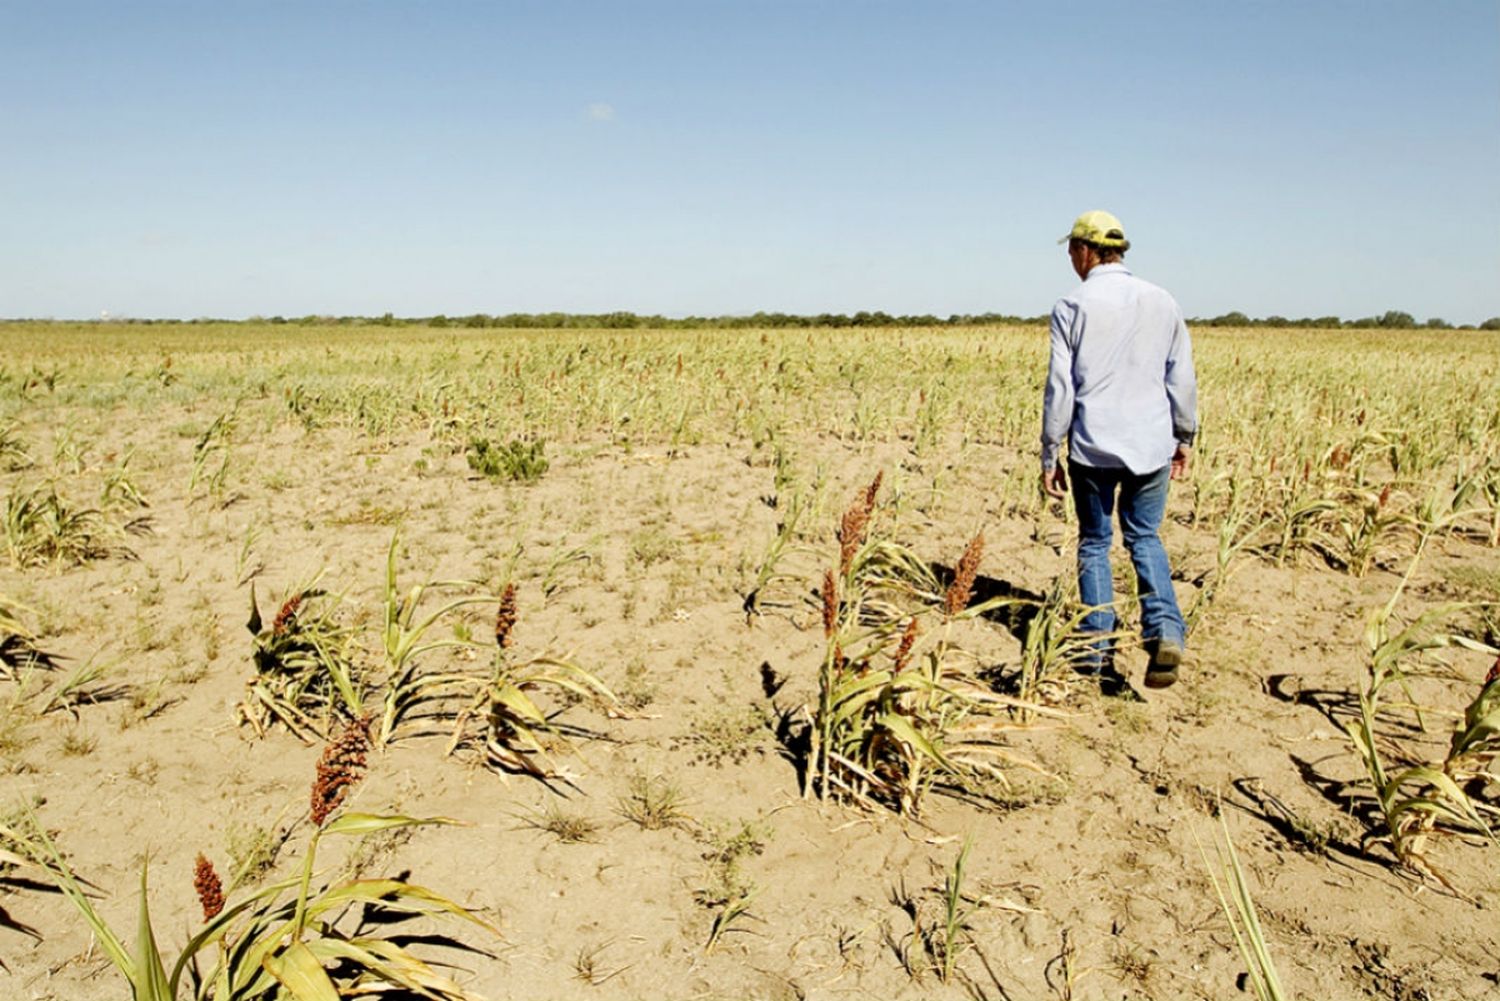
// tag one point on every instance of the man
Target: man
(1121, 389)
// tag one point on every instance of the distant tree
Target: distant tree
(1438, 323)
(1493, 323)
(1231, 319)
(1394, 319)
(439, 321)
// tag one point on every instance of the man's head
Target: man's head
(1096, 238)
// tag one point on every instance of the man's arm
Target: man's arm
(1182, 385)
(1182, 394)
(1057, 401)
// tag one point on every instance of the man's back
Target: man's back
(1122, 375)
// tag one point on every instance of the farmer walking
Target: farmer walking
(1121, 391)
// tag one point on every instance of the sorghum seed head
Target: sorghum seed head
(288, 614)
(903, 651)
(851, 533)
(852, 526)
(959, 591)
(340, 767)
(210, 890)
(505, 618)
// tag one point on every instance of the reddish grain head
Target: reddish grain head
(962, 588)
(209, 888)
(856, 522)
(505, 617)
(340, 767)
(287, 617)
(903, 651)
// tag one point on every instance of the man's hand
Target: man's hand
(1055, 482)
(1180, 461)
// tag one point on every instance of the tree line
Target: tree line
(621, 320)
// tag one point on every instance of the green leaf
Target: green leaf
(389, 962)
(394, 895)
(902, 729)
(151, 978)
(517, 702)
(368, 823)
(254, 625)
(299, 971)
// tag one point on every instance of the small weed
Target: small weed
(144, 771)
(725, 736)
(652, 545)
(728, 892)
(653, 804)
(1132, 963)
(586, 965)
(77, 744)
(569, 828)
(637, 692)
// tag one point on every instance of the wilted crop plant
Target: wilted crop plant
(300, 938)
(305, 673)
(513, 727)
(1420, 799)
(406, 628)
(42, 528)
(894, 714)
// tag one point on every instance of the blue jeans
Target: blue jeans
(1142, 502)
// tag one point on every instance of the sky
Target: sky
(234, 159)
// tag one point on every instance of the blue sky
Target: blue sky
(236, 158)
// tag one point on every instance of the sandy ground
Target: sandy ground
(1091, 871)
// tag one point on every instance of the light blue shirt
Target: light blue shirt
(1120, 383)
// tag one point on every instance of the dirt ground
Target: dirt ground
(1085, 880)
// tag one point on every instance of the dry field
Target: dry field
(757, 727)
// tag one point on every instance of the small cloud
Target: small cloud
(600, 112)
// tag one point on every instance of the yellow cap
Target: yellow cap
(1100, 229)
